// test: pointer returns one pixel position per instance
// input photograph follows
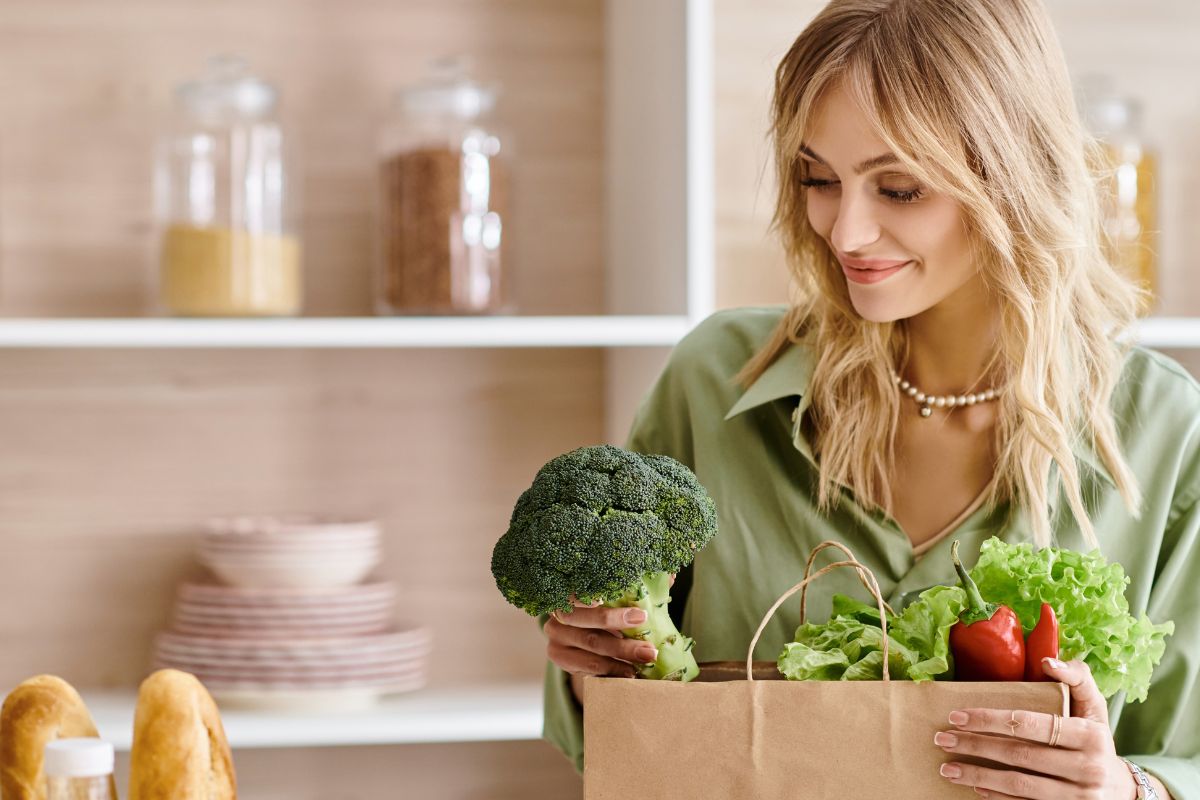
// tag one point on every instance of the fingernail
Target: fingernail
(647, 654)
(943, 739)
(982, 792)
(958, 718)
(1054, 663)
(950, 770)
(635, 616)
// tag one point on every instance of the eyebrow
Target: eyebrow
(866, 166)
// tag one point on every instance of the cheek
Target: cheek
(821, 214)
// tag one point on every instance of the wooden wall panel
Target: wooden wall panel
(112, 459)
(85, 86)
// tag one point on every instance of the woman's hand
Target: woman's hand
(588, 641)
(1084, 764)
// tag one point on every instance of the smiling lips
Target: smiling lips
(870, 271)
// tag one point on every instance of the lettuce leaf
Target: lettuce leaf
(850, 646)
(1088, 596)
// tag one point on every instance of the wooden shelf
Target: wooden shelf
(346, 332)
(509, 712)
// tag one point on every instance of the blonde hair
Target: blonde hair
(974, 98)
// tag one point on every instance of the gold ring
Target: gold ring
(1055, 731)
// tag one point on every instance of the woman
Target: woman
(950, 371)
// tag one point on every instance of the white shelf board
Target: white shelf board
(419, 332)
(507, 712)
(353, 332)
(1169, 332)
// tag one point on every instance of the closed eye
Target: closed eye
(898, 196)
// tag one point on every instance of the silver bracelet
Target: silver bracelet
(1145, 789)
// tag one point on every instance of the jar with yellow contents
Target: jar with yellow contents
(1128, 183)
(227, 204)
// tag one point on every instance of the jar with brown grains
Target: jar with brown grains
(443, 200)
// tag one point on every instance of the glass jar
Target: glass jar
(227, 203)
(79, 769)
(1129, 182)
(443, 205)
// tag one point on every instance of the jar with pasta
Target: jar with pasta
(443, 222)
(227, 202)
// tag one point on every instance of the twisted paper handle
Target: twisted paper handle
(864, 574)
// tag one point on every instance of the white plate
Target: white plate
(220, 596)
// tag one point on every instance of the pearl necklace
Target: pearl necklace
(928, 402)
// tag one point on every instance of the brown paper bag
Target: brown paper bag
(744, 732)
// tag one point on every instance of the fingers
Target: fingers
(595, 651)
(1001, 783)
(593, 640)
(1031, 726)
(580, 662)
(1025, 755)
(1086, 700)
(601, 617)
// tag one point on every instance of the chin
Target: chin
(879, 310)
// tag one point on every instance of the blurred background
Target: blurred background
(377, 262)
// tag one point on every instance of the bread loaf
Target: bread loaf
(40, 710)
(179, 746)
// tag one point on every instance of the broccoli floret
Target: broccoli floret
(604, 523)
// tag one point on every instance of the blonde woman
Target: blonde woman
(953, 368)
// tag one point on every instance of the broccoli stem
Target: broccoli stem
(675, 660)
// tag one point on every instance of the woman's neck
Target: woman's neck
(952, 346)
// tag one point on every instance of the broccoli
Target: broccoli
(603, 523)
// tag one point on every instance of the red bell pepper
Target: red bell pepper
(1042, 643)
(988, 642)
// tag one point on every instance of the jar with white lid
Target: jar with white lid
(79, 769)
(443, 208)
(227, 200)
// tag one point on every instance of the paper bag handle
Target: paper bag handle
(864, 574)
(812, 557)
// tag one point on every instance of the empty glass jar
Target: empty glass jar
(227, 202)
(443, 213)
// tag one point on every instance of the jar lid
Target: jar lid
(448, 91)
(1104, 110)
(78, 758)
(227, 89)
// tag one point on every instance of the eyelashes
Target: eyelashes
(898, 196)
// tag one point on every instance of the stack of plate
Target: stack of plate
(316, 673)
(237, 612)
(293, 625)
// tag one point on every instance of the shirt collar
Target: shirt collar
(790, 375)
(787, 376)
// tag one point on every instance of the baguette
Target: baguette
(179, 746)
(40, 710)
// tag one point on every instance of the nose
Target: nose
(855, 228)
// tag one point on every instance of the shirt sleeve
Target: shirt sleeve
(661, 425)
(1162, 735)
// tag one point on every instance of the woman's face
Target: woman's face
(879, 217)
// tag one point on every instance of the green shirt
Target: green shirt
(748, 450)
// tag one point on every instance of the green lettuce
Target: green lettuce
(850, 646)
(1085, 591)
(1088, 595)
